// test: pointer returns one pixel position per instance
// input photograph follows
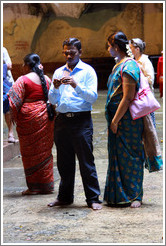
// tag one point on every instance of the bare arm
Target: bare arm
(129, 89)
(48, 79)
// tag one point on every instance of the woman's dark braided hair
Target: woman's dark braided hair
(33, 61)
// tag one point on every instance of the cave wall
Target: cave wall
(24, 32)
(28, 28)
(91, 28)
(153, 28)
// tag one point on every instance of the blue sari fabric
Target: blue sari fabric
(124, 181)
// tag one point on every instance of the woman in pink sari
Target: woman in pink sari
(34, 118)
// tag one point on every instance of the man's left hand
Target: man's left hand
(68, 81)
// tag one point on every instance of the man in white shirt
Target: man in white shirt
(7, 60)
(73, 91)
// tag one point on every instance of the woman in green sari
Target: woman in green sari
(124, 181)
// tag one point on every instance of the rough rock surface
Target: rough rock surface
(25, 30)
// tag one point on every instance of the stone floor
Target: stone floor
(28, 220)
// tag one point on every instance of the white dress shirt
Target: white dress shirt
(81, 98)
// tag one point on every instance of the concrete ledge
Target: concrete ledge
(10, 150)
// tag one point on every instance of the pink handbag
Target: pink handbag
(144, 101)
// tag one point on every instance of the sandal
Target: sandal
(28, 192)
(11, 139)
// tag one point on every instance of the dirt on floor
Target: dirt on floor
(28, 219)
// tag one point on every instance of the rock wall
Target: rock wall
(19, 28)
(153, 28)
(24, 32)
(89, 29)
(42, 27)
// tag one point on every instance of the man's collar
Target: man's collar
(78, 66)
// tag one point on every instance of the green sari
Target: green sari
(124, 181)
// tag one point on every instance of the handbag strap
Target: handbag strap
(142, 85)
(123, 66)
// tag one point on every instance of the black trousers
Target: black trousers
(73, 136)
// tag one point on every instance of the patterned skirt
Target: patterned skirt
(35, 132)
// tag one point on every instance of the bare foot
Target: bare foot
(135, 204)
(28, 192)
(96, 206)
(57, 203)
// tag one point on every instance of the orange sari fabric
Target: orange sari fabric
(35, 132)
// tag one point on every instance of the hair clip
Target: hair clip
(40, 66)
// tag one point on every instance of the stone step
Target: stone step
(10, 150)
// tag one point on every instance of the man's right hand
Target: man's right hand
(56, 83)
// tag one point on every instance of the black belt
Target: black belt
(74, 114)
